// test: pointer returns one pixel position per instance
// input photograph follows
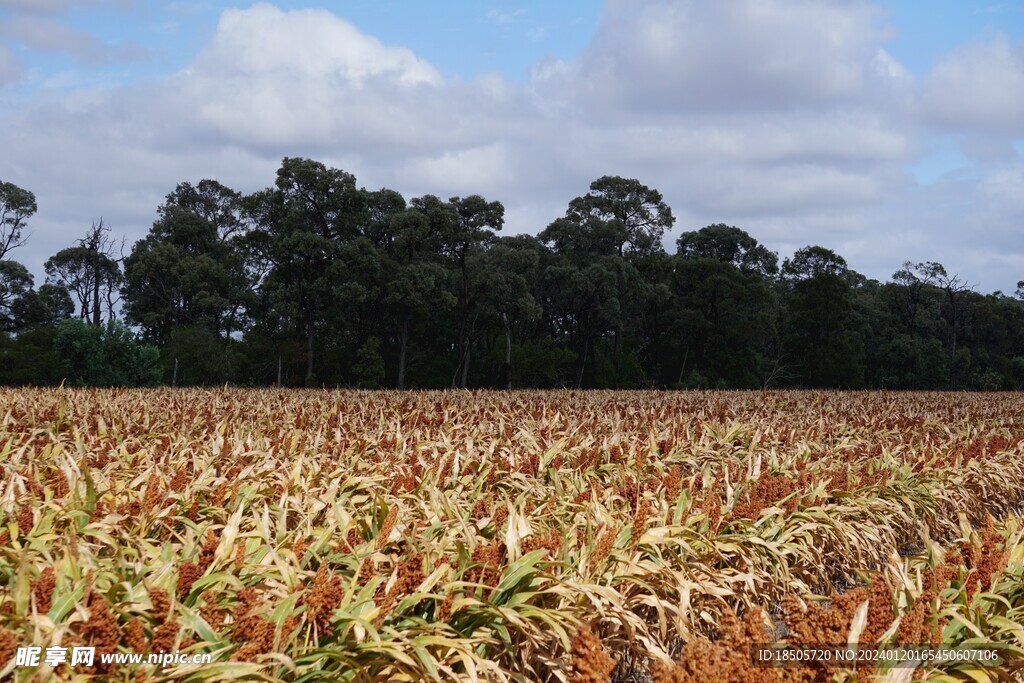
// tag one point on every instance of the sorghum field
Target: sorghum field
(309, 535)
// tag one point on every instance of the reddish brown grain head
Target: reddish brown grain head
(590, 663)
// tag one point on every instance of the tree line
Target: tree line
(317, 282)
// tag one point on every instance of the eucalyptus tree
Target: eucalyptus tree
(15, 283)
(470, 228)
(189, 269)
(16, 207)
(955, 290)
(604, 250)
(725, 306)
(43, 307)
(819, 320)
(728, 244)
(304, 221)
(91, 272)
(504, 275)
(420, 289)
(629, 216)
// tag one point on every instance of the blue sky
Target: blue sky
(462, 39)
(469, 38)
(887, 130)
(926, 30)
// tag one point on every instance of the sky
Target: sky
(887, 131)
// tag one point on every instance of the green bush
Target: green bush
(104, 356)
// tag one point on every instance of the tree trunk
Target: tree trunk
(508, 352)
(462, 355)
(401, 353)
(951, 294)
(464, 379)
(583, 364)
(226, 324)
(682, 370)
(952, 355)
(96, 298)
(309, 354)
(462, 370)
(466, 344)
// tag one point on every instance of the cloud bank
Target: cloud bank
(787, 118)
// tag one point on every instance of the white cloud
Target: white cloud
(10, 67)
(978, 86)
(833, 138)
(273, 79)
(537, 33)
(891, 71)
(987, 149)
(495, 16)
(486, 167)
(689, 56)
(58, 6)
(1001, 200)
(310, 45)
(44, 34)
(44, 6)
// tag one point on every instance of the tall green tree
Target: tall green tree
(16, 207)
(725, 308)
(627, 215)
(44, 307)
(15, 283)
(475, 222)
(955, 290)
(603, 247)
(503, 275)
(820, 334)
(420, 288)
(909, 348)
(90, 272)
(189, 271)
(307, 216)
(582, 295)
(729, 244)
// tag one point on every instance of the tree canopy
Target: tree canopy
(316, 281)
